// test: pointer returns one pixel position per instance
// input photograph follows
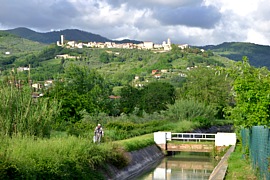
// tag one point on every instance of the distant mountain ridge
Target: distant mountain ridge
(258, 55)
(69, 34)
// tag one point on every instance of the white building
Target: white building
(58, 43)
(79, 45)
(167, 46)
(108, 44)
(148, 45)
(62, 40)
(37, 86)
(48, 83)
(20, 69)
(71, 43)
(183, 46)
(169, 41)
(137, 78)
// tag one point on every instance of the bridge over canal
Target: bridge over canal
(193, 142)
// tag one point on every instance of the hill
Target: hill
(259, 55)
(16, 45)
(115, 64)
(69, 34)
(52, 37)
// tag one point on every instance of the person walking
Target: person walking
(98, 133)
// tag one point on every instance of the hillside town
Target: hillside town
(137, 80)
(147, 45)
(156, 74)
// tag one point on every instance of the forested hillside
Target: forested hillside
(258, 55)
(13, 48)
(17, 45)
(69, 34)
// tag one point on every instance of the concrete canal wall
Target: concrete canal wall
(141, 160)
(220, 170)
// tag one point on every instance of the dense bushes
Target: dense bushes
(119, 130)
(8, 170)
(202, 60)
(152, 98)
(189, 110)
(124, 127)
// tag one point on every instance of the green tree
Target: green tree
(81, 89)
(252, 95)
(104, 57)
(156, 96)
(175, 49)
(129, 99)
(152, 98)
(210, 86)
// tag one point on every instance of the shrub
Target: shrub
(203, 122)
(8, 171)
(81, 128)
(127, 126)
(189, 109)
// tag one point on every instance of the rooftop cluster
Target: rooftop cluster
(148, 45)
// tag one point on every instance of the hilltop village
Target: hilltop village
(148, 45)
(139, 80)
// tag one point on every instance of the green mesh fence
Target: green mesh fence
(256, 143)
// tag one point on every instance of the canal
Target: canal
(181, 165)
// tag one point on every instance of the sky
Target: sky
(193, 22)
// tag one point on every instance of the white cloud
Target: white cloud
(257, 37)
(196, 22)
(239, 7)
(242, 20)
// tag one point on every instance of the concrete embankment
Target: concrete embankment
(141, 161)
(220, 170)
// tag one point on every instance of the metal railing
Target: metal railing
(192, 137)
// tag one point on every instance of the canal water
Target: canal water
(185, 166)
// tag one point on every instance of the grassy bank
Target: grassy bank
(57, 158)
(137, 143)
(239, 167)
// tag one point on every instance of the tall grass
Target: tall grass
(118, 130)
(239, 167)
(20, 114)
(57, 158)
